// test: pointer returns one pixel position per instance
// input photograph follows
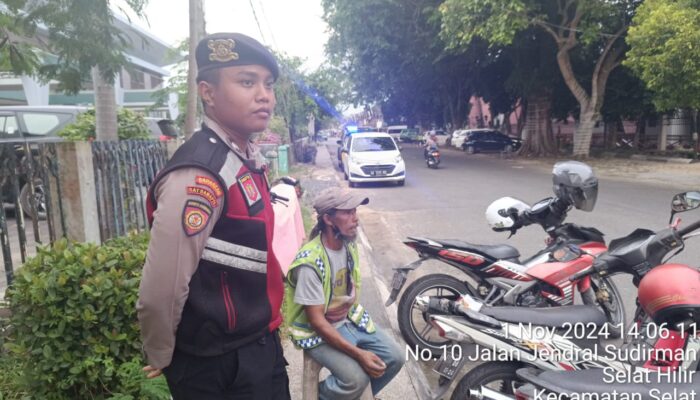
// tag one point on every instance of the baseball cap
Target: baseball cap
(338, 199)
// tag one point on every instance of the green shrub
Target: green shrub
(130, 126)
(75, 329)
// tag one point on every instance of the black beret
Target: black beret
(221, 50)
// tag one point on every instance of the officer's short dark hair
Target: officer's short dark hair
(211, 76)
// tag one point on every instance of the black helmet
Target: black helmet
(575, 183)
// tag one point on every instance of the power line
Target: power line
(269, 26)
(255, 15)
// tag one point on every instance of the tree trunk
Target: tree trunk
(196, 33)
(508, 130)
(538, 137)
(105, 107)
(584, 132)
(662, 144)
(639, 131)
(610, 135)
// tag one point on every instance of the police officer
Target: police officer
(210, 295)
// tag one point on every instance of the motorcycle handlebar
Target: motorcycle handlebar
(688, 229)
(603, 262)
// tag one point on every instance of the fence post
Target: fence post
(78, 196)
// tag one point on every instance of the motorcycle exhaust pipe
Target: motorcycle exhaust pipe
(485, 393)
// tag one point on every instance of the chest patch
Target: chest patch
(250, 190)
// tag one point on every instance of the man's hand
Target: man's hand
(152, 372)
(371, 363)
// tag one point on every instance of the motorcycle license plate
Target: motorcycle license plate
(447, 366)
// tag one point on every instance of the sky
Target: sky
(294, 27)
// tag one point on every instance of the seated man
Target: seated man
(322, 308)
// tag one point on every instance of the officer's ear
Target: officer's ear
(206, 93)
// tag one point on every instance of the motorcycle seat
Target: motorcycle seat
(499, 251)
(594, 381)
(557, 317)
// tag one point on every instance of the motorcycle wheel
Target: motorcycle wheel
(413, 322)
(614, 309)
(496, 375)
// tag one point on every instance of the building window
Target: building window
(137, 79)
(156, 81)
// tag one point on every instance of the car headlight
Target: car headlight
(398, 159)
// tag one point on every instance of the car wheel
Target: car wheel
(508, 149)
(352, 184)
(25, 200)
(470, 149)
(401, 182)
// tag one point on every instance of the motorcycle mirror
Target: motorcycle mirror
(684, 202)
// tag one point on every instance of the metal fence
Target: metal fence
(28, 174)
(123, 171)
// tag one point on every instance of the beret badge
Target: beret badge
(222, 50)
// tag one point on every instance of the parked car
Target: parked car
(372, 157)
(22, 124)
(458, 137)
(411, 135)
(395, 131)
(162, 128)
(35, 124)
(489, 140)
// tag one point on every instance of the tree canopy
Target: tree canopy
(664, 51)
(593, 27)
(80, 34)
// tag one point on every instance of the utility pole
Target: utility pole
(197, 31)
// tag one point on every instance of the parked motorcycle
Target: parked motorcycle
(501, 279)
(433, 158)
(668, 312)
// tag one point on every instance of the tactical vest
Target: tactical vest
(314, 254)
(236, 292)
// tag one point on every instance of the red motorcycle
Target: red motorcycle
(497, 277)
(666, 326)
(501, 279)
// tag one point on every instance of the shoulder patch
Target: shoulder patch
(250, 189)
(195, 217)
(210, 184)
(203, 193)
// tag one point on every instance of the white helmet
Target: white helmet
(498, 213)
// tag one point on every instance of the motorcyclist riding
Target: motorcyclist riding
(430, 144)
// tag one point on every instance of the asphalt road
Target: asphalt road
(449, 203)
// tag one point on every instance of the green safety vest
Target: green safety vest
(314, 254)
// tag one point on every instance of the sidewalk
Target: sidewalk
(372, 296)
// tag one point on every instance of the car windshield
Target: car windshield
(361, 144)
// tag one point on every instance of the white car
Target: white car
(458, 138)
(395, 131)
(373, 157)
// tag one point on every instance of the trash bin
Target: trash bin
(283, 159)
